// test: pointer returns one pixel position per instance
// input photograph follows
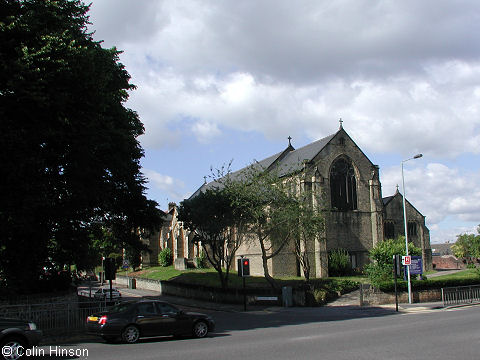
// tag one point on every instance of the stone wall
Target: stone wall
(205, 293)
(371, 296)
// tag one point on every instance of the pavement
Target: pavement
(351, 299)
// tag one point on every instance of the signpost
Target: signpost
(406, 260)
(396, 271)
(416, 267)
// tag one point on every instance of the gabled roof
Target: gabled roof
(288, 161)
(388, 199)
(293, 160)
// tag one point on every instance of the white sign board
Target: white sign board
(406, 260)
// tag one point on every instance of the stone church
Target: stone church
(345, 184)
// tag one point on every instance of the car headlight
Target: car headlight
(32, 326)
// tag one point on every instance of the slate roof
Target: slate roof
(387, 199)
(293, 160)
(286, 162)
(442, 249)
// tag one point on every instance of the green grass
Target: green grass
(209, 277)
(362, 279)
(469, 274)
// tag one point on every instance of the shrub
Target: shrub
(321, 291)
(339, 263)
(201, 260)
(165, 258)
(381, 268)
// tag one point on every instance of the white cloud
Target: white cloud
(403, 75)
(437, 191)
(171, 186)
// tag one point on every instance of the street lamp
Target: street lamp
(406, 229)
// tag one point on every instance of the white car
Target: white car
(104, 294)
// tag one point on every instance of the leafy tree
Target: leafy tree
(211, 215)
(381, 268)
(309, 223)
(269, 211)
(70, 155)
(467, 246)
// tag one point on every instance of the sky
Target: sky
(222, 81)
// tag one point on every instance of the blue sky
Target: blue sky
(231, 80)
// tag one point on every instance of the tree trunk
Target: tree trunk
(269, 279)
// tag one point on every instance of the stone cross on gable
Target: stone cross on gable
(341, 123)
(289, 141)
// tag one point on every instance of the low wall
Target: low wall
(368, 294)
(372, 296)
(233, 296)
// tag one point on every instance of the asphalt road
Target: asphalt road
(307, 333)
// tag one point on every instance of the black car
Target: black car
(16, 336)
(147, 318)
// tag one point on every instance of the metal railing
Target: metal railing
(55, 318)
(461, 295)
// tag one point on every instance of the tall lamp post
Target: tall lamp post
(406, 228)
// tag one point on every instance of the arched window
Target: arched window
(343, 186)
(389, 229)
(412, 228)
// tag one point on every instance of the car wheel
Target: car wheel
(131, 334)
(13, 348)
(200, 329)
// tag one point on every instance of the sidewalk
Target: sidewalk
(351, 299)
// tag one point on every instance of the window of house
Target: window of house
(412, 228)
(389, 230)
(343, 186)
(353, 260)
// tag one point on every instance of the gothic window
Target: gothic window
(412, 228)
(389, 230)
(353, 260)
(343, 186)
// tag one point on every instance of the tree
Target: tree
(70, 155)
(268, 208)
(309, 224)
(467, 246)
(381, 268)
(210, 215)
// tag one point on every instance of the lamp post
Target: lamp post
(406, 228)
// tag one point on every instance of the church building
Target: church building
(346, 186)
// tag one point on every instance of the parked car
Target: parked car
(131, 321)
(16, 336)
(104, 294)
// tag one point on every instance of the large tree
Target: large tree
(270, 210)
(70, 158)
(253, 206)
(467, 246)
(211, 215)
(308, 227)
